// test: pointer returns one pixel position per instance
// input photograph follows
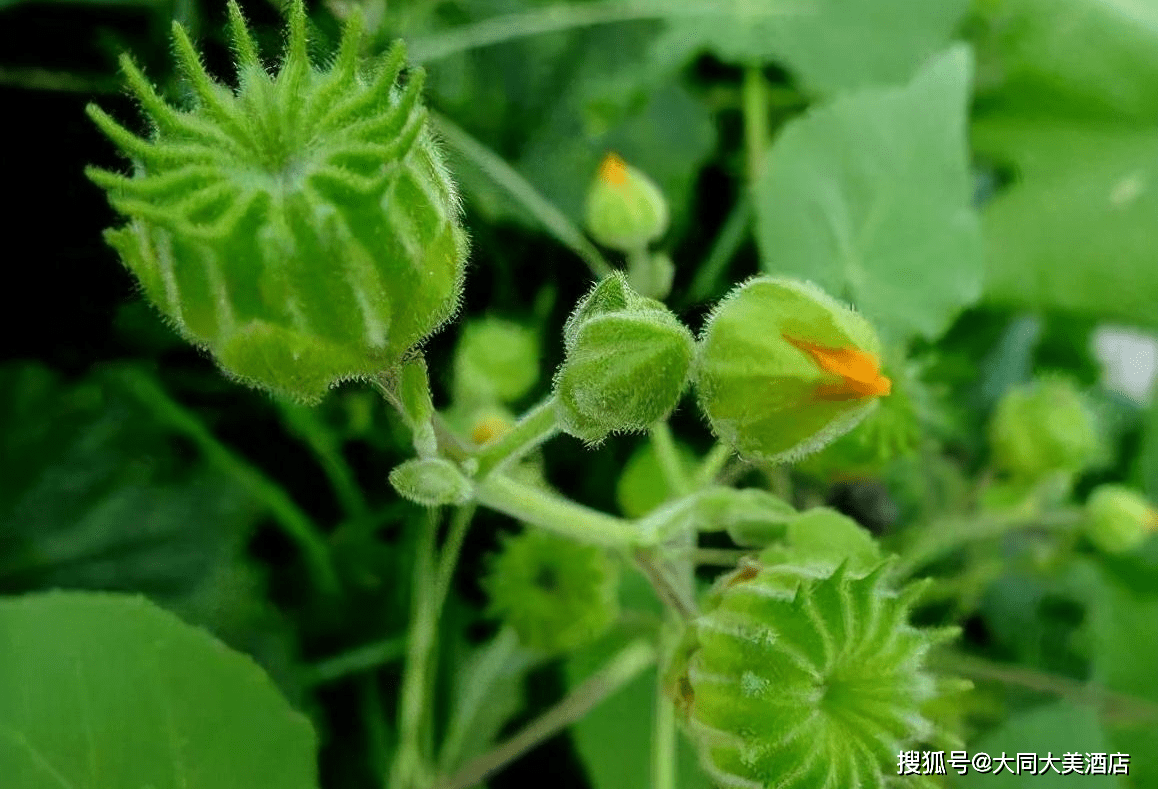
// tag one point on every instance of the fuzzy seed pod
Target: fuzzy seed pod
(302, 227)
(1042, 427)
(627, 363)
(626, 211)
(783, 369)
(805, 677)
(556, 593)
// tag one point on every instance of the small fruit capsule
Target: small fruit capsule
(1119, 519)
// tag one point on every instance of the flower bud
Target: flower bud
(556, 593)
(803, 676)
(1043, 427)
(783, 369)
(626, 364)
(626, 211)
(1118, 518)
(431, 482)
(496, 361)
(302, 227)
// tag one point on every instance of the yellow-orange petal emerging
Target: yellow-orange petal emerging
(613, 170)
(860, 372)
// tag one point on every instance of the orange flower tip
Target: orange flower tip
(613, 170)
(858, 370)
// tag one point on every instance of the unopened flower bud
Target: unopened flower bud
(626, 211)
(496, 361)
(431, 482)
(1042, 427)
(783, 369)
(626, 365)
(1119, 519)
(302, 227)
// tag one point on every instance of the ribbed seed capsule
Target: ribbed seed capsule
(801, 677)
(302, 227)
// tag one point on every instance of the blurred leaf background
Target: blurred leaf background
(979, 178)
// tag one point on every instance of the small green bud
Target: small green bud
(626, 211)
(783, 369)
(1042, 427)
(431, 482)
(556, 593)
(752, 517)
(626, 365)
(824, 537)
(302, 227)
(805, 677)
(1119, 519)
(496, 361)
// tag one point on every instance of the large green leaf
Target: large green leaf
(1091, 58)
(830, 44)
(1076, 229)
(102, 690)
(868, 196)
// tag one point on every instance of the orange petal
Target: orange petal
(860, 372)
(613, 170)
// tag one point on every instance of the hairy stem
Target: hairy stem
(550, 511)
(410, 769)
(622, 668)
(537, 426)
(670, 463)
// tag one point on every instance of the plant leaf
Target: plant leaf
(108, 690)
(868, 196)
(1085, 198)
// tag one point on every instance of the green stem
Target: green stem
(1120, 706)
(537, 426)
(519, 188)
(663, 736)
(550, 511)
(310, 429)
(552, 19)
(358, 660)
(622, 669)
(670, 463)
(727, 244)
(712, 464)
(410, 769)
(943, 537)
(293, 521)
(755, 98)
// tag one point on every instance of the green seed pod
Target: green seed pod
(431, 482)
(626, 365)
(805, 677)
(302, 227)
(496, 361)
(1119, 519)
(1043, 427)
(557, 594)
(783, 369)
(626, 211)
